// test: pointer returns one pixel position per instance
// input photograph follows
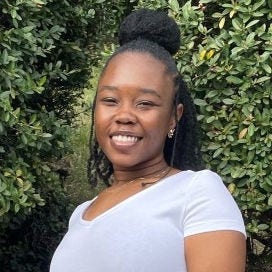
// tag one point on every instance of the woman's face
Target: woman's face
(134, 110)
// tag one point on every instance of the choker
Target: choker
(160, 174)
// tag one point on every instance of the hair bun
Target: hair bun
(152, 25)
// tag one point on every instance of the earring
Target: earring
(171, 133)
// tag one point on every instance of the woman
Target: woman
(157, 214)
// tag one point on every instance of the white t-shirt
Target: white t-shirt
(145, 233)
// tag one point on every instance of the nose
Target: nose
(125, 115)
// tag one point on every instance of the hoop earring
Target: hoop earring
(171, 133)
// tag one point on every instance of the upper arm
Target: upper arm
(215, 238)
(216, 251)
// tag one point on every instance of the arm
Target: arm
(215, 238)
(216, 251)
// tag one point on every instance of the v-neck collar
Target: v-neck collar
(123, 202)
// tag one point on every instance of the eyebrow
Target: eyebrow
(142, 90)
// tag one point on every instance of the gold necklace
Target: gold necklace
(162, 173)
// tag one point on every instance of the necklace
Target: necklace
(162, 174)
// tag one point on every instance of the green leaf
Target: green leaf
(42, 81)
(28, 28)
(47, 135)
(267, 68)
(23, 199)
(218, 152)
(228, 101)
(251, 130)
(234, 80)
(76, 47)
(247, 2)
(5, 94)
(211, 94)
(18, 172)
(258, 4)
(250, 38)
(33, 118)
(236, 24)
(39, 2)
(200, 102)
(46, 168)
(263, 227)
(3, 186)
(262, 79)
(174, 5)
(213, 146)
(13, 13)
(5, 56)
(252, 23)
(266, 187)
(210, 119)
(16, 113)
(27, 185)
(236, 50)
(16, 208)
(222, 22)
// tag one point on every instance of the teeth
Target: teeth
(121, 138)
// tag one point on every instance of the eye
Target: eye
(109, 101)
(146, 104)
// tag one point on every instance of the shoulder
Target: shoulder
(205, 180)
(209, 206)
(197, 180)
(79, 212)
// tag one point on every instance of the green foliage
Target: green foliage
(43, 62)
(226, 60)
(27, 245)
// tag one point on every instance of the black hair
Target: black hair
(155, 33)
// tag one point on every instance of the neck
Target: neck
(125, 175)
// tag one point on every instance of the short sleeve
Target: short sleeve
(210, 206)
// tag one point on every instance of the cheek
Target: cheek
(158, 125)
(101, 117)
(100, 122)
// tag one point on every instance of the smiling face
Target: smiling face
(134, 110)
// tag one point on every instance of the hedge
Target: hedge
(44, 64)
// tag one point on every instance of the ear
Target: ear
(179, 111)
(177, 114)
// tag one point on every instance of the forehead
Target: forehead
(136, 68)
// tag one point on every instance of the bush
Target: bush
(27, 244)
(226, 60)
(44, 59)
(42, 67)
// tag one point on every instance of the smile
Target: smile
(124, 139)
(121, 139)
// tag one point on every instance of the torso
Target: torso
(144, 230)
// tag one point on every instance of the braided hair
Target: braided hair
(155, 33)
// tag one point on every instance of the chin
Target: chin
(124, 164)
